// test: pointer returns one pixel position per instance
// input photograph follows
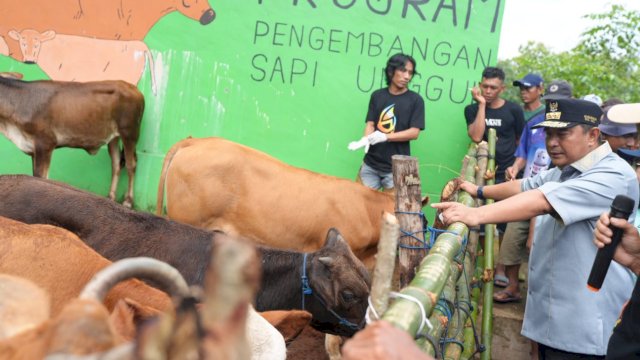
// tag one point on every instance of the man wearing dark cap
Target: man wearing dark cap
(531, 87)
(532, 158)
(567, 319)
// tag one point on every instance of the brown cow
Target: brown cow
(23, 305)
(217, 184)
(84, 326)
(46, 254)
(41, 116)
(102, 19)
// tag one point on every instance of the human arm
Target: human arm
(382, 341)
(496, 192)
(512, 171)
(520, 207)
(628, 252)
(532, 227)
(519, 124)
(476, 129)
(404, 135)
(369, 128)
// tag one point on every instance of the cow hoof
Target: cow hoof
(128, 204)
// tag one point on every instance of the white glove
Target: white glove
(376, 137)
(355, 145)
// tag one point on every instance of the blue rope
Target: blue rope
(433, 234)
(306, 289)
(462, 253)
(443, 306)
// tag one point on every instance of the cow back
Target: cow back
(112, 230)
(221, 185)
(60, 263)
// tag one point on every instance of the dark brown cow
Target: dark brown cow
(338, 280)
(41, 116)
(102, 19)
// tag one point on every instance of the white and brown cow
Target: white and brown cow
(40, 116)
(221, 185)
(78, 58)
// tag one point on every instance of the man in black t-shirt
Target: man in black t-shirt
(492, 111)
(395, 117)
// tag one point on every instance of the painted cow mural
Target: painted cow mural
(65, 57)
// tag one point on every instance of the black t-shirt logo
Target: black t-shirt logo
(387, 120)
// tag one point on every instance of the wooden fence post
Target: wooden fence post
(406, 180)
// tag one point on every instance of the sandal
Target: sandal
(500, 281)
(505, 296)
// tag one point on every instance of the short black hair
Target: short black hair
(398, 61)
(491, 72)
(610, 102)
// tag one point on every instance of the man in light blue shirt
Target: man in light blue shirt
(561, 314)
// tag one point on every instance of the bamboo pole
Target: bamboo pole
(476, 258)
(487, 299)
(385, 263)
(440, 316)
(455, 333)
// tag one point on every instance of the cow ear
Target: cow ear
(326, 260)
(14, 35)
(334, 238)
(48, 35)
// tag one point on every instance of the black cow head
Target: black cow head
(340, 284)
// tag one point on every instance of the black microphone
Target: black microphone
(621, 207)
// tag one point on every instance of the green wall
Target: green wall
(293, 78)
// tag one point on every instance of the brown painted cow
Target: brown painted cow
(41, 116)
(221, 185)
(339, 281)
(101, 19)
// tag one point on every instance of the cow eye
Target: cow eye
(347, 296)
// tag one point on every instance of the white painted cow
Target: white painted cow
(79, 58)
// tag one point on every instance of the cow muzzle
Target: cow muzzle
(207, 17)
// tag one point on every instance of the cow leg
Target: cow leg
(130, 163)
(114, 152)
(332, 344)
(40, 160)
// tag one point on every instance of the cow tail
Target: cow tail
(163, 175)
(152, 71)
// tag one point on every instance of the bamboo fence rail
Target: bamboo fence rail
(440, 304)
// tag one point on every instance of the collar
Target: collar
(592, 157)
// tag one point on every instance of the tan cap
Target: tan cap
(625, 113)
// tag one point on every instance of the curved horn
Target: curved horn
(141, 267)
